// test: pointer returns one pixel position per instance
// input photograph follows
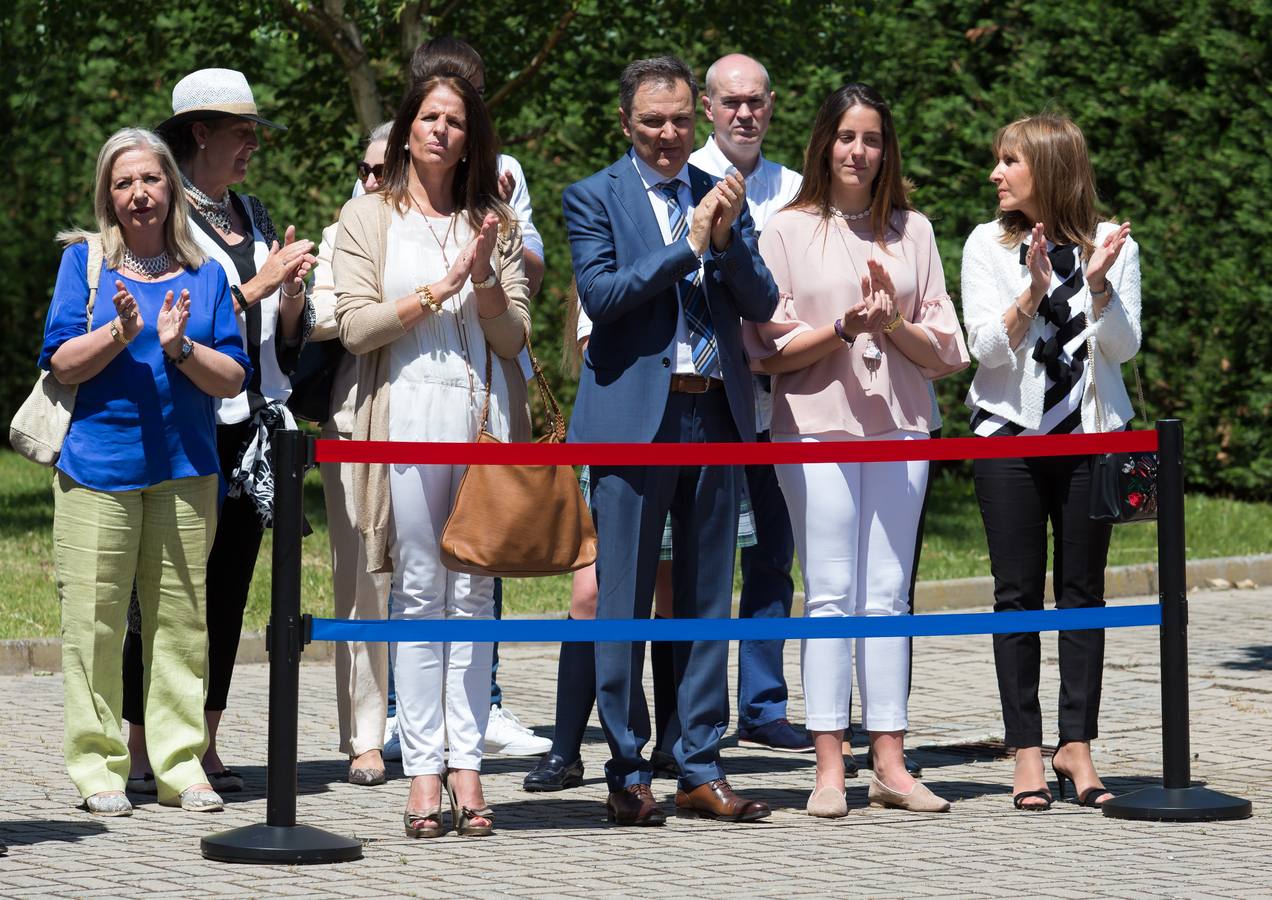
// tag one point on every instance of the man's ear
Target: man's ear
(623, 120)
(706, 106)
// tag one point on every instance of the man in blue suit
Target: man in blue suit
(667, 267)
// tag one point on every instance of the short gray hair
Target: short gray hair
(663, 70)
(380, 132)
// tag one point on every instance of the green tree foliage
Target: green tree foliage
(1174, 101)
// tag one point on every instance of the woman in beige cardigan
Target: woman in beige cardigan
(429, 279)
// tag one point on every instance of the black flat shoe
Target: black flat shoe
(553, 773)
(851, 767)
(913, 768)
(664, 764)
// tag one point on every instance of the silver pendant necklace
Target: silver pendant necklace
(217, 212)
(150, 266)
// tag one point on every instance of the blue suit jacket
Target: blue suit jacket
(627, 281)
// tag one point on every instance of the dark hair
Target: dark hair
(889, 191)
(446, 55)
(663, 70)
(476, 179)
(180, 138)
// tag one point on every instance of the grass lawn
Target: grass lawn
(954, 547)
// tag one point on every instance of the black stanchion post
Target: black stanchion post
(280, 839)
(1177, 800)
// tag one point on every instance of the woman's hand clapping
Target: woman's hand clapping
(172, 323)
(879, 297)
(286, 266)
(129, 312)
(474, 260)
(1038, 262)
(1105, 255)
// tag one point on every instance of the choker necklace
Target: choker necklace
(850, 217)
(216, 212)
(150, 266)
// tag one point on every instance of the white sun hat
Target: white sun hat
(211, 94)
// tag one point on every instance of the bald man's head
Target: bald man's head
(739, 104)
(736, 65)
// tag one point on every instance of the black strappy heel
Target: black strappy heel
(1044, 794)
(1087, 797)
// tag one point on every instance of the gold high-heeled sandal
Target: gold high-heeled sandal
(416, 823)
(462, 816)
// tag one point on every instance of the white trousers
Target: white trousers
(443, 689)
(362, 678)
(855, 525)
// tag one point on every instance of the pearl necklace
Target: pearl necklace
(851, 217)
(150, 266)
(216, 212)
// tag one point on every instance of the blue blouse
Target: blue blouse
(141, 421)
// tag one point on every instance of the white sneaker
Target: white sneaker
(508, 737)
(392, 740)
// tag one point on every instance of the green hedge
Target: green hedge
(1174, 101)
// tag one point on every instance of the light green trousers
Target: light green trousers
(161, 535)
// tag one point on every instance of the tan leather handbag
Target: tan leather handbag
(519, 521)
(39, 427)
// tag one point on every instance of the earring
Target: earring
(203, 146)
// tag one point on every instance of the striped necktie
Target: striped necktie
(693, 299)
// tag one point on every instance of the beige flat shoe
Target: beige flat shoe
(919, 798)
(827, 803)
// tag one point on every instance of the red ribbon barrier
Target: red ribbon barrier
(732, 454)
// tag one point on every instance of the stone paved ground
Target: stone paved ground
(560, 845)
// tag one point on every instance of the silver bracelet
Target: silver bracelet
(1025, 314)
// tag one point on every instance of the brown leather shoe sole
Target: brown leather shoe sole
(656, 817)
(754, 815)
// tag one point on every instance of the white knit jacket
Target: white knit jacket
(1010, 382)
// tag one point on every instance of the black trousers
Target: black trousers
(230, 566)
(1018, 497)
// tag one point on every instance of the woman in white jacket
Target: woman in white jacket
(1051, 302)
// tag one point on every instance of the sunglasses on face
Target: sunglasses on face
(365, 171)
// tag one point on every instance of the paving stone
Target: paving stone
(558, 845)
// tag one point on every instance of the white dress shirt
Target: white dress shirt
(769, 187)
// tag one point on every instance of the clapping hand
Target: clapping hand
(1038, 262)
(289, 264)
(507, 184)
(731, 194)
(474, 260)
(880, 297)
(1105, 255)
(128, 311)
(172, 322)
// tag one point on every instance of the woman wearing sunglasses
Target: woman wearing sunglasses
(361, 668)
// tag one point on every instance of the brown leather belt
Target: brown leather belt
(694, 384)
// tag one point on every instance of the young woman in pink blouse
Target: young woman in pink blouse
(863, 324)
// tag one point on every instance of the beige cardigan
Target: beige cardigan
(368, 323)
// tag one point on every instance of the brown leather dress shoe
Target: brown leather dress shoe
(634, 805)
(716, 800)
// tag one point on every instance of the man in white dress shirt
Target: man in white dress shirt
(738, 101)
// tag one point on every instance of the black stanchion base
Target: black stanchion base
(1190, 804)
(294, 845)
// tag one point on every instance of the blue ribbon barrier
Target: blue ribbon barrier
(592, 630)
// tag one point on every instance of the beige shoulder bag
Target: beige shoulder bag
(39, 428)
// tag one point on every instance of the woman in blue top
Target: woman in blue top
(136, 487)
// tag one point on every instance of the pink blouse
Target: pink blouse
(818, 265)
